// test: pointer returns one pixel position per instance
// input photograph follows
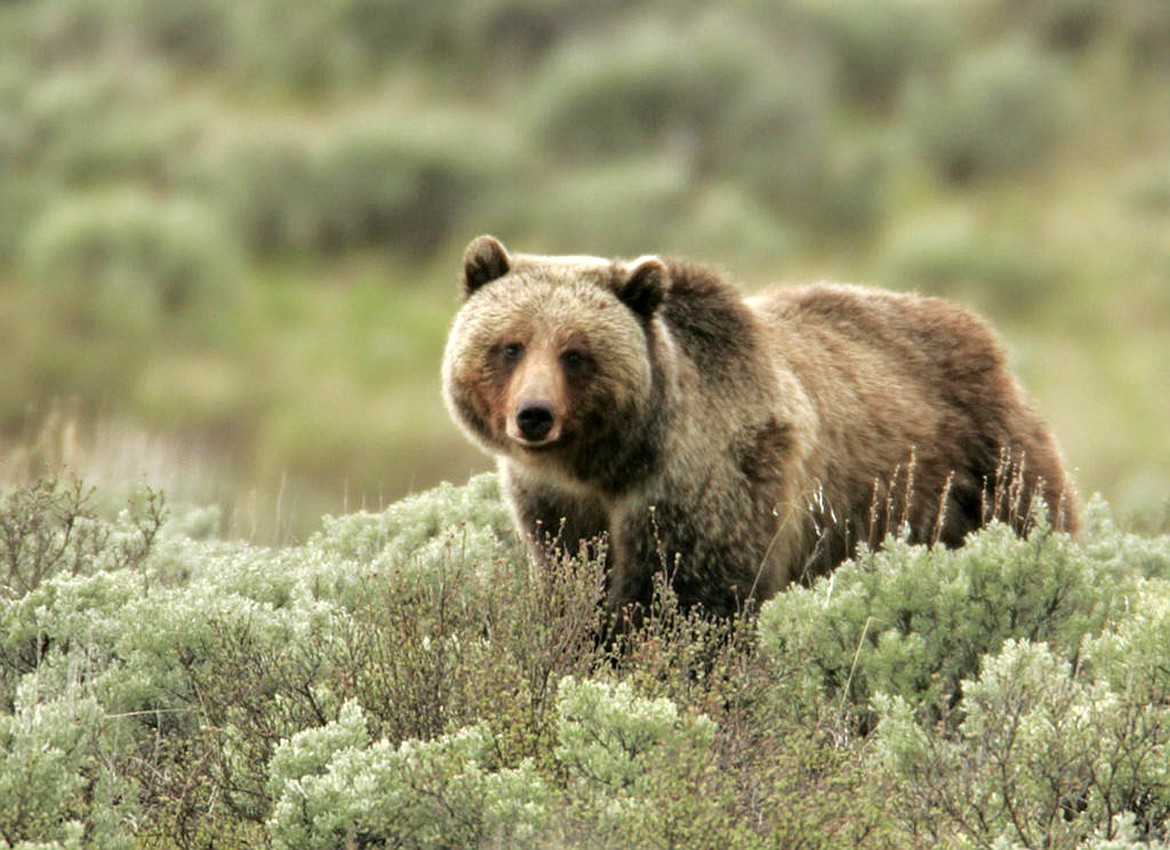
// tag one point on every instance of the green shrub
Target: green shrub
(67, 129)
(333, 788)
(985, 672)
(854, 195)
(914, 622)
(98, 125)
(22, 189)
(999, 111)
(1146, 33)
(200, 34)
(404, 184)
(607, 733)
(1148, 190)
(526, 30)
(56, 33)
(1069, 24)
(622, 208)
(21, 200)
(708, 92)
(57, 785)
(390, 183)
(127, 262)
(629, 762)
(646, 772)
(774, 138)
(333, 47)
(461, 628)
(747, 213)
(732, 225)
(1130, 661)
(50, 528)
(415, 530)
(650, 89)
(1002, 271)
(711, 98)
(876, 46)
(285, 46)
(1045, 755)
(385, 30)
(623, 758)
(405, 678)
(265, 184)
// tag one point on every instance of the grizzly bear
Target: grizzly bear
(650, 411)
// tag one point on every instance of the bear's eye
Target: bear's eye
(512, 353)
(575, 362)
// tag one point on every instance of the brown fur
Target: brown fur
(739, 444)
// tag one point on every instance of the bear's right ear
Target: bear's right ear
(486, 259)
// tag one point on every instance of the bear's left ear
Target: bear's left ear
(645, 285)
(486, 259)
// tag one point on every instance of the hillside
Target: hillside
(229, 232)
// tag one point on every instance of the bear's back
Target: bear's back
(906, 346)
(901, 379)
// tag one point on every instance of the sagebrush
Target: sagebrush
(407, 678)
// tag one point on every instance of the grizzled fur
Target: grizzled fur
(739, 444)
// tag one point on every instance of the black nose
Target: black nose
(535, 419)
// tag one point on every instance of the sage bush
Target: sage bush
(409, 678)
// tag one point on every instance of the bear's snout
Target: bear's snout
(535, 420)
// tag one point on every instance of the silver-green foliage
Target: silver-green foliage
(999, 111)
(132, 640)
(333, 787)
(614, 750)
(129, 261)
(1047, 753)
(406, 678)
(914, 621)
(55, 781)
(1017, 687)
(416, 526)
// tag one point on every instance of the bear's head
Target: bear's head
(551, 359)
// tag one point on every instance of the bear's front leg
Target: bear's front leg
(707, 563)
(553, 519)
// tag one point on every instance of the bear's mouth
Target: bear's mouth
(537, 446)
(547, 445)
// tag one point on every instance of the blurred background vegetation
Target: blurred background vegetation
(230, 232)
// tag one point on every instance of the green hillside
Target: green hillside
(229, 232)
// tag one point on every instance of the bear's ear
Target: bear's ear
(645, 285)
(486, 259)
